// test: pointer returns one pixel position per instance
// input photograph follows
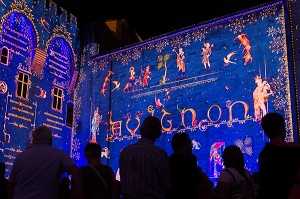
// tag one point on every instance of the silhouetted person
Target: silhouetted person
(36, 172)
(255, 181)
(3, 182)
(188, 181)
(64, 189)
(144, 169)
(98, 179)
(235, 180)
(278, 161)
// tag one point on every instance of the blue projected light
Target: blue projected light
(213, 81)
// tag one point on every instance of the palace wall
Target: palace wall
(38, 71)
(248, 73)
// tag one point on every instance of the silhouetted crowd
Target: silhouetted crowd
(147, 172)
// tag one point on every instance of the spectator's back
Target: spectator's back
(234, 181)
(98, 179)
(278, 161)
(144, 169)
(36, 171)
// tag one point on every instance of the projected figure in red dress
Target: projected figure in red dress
(260, 97)
(206, 52)
(146, 76)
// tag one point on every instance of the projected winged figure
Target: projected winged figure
(227, 60)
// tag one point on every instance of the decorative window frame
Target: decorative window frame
(26, 83)
(61, 97)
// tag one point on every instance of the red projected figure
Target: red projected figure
(146, 76)
(260, 97)
(106, 79)
(206, 52)
(246, 43)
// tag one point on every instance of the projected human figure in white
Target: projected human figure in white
(260, 97)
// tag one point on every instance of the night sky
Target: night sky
(154, 18)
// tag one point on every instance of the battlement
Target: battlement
(56, 13)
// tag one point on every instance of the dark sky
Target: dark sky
(151, 18)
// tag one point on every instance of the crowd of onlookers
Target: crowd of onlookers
(147, 172)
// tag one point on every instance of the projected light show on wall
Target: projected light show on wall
(213, 81)
(37, 67)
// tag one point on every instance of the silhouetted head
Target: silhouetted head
(92, 151)
(151, 128)
(181, 142)
(233, 157)
(42, 135)
(273, 125)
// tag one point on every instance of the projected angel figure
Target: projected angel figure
(215, 156)
(146, 75)
(260, 97)
(97, 119)
(44, 22)
(180, 63)
(206, 52)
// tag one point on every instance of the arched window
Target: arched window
(23, 84)
(4, 55)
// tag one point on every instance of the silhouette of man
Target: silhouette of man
(188, 180)
(98, 179)
(36, 172)
(144, 169)
(278, 160)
